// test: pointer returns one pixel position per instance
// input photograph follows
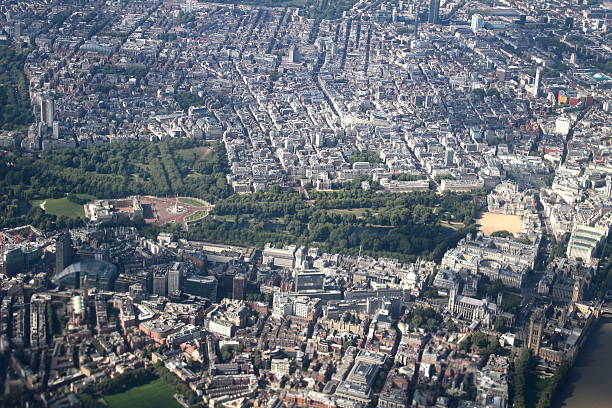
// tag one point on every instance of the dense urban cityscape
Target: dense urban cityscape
(300, 203)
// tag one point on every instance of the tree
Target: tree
(522, 370)
(553, 386)
(502, 234)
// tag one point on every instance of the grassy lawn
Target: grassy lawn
(191, 201)
(198, 215)
(154, 394)
(199, 152)
(511, 301)
(453, 225)
(63, 206)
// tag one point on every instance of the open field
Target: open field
(199, 152)
(62, 206)
(154, 394)
(198, 215)
(491, 222)
(454, 225)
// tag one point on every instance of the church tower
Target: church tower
(536, 323)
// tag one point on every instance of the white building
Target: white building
(562, 125)
(584, 242)
(461, 185)
(280, 367)
(221, 327)
(477, 23)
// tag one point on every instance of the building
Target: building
(283, 257)
(557, 333)
(477, 23)
(239, 286)
(99, 274)
(63, 252)
(497, 258)
(470, 308)
(280, 367)
(188, 6)
(18, 27)
(38, 320)
(399, 186)
(204, 286)
(562, 125)
(585, 241)
(434, 12)
(492, 382)
(461, 185)
(108, 210)
(300, 306)
(449, 157)
(13, 261)
(357, 387)
(309, 280)
(535, 91)
(47, 111)
(175, 279)
(507, 199)
(160, 283)
(221, 327)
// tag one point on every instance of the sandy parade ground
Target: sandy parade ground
(491, 222)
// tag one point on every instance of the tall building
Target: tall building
(160, 284)
(47, 111)
(416, 21)
(449, 157)
(175, 279)
(535, 91)
(536, 326)
(293, 54)
(434, 12)
(63, 252)
(13, 261)
(17, 29)
(38, 320)
(477, 23)
(239, 286)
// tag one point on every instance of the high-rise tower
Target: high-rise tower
(535, 331)
(47, 111)
(535, 91)
(239, 286)
(416, 22)
(175, 279)
(434, 12)
(63, 252)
